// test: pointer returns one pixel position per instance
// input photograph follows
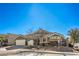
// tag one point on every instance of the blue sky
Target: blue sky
(20, 18)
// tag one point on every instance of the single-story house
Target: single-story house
(40, 38)
(11, 38)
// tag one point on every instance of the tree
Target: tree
(74, 35)
(1, 39)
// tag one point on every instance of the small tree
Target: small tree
(74, 35)
(1, 40)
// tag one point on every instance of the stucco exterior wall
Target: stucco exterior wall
(21, 42)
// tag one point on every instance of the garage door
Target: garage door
(20, 42)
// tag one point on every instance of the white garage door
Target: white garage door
(30, 43)
(20, 42)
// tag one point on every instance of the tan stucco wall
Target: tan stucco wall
(20, 42)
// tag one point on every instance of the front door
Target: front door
(26, 43)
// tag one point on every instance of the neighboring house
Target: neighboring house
(41, 38)
(11, 38)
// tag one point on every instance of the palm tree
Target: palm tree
(74, 35)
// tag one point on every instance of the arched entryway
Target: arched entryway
(37, 41)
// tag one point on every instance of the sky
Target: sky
(21, 18)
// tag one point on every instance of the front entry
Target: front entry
(36, 42)
(26, 43)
